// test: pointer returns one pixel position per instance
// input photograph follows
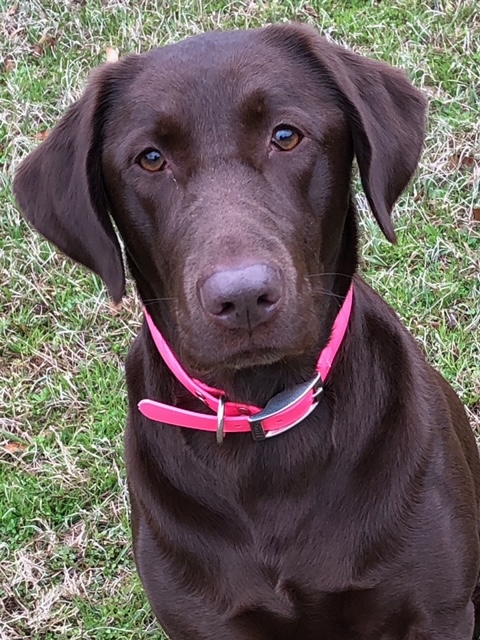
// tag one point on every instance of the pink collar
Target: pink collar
(282, 412)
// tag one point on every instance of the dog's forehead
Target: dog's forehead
(220, 84)
(210, 46)
(220, 67)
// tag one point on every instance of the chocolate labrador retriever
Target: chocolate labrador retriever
(225, 163)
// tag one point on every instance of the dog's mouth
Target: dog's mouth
(242, 359)
(215, 350)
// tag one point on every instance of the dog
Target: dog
(295, 467)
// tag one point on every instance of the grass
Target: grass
(66, 567)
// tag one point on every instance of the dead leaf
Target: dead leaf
(9, 64)
(476, 213)
(15, 447)
(13, 9)
(45, 42)
(452, 320)
(42, 135)
(468, 161)
(116, 307)
(111, 54)
(311, 11)
(458, 161)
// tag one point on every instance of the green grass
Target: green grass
(66, 567)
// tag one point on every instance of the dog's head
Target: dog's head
(225, 163)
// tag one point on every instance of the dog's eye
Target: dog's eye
(151, 160)
(286, 138)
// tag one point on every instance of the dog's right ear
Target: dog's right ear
(385, 112)
(59, 186)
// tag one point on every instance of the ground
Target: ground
(66, 568)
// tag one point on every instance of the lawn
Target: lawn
(66, 568)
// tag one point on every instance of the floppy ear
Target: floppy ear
(386, 115)
(60, 189)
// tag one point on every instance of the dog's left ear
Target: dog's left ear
(385, 112)
(59, 186)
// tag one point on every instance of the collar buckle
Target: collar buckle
(283, 401)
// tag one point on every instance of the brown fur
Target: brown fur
(362, 522)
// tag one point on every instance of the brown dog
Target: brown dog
(225, 163)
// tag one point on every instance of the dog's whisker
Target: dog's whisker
(333, 273)
(154, 300)
(326, 292)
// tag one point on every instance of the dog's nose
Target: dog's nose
(244, 297)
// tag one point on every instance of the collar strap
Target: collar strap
(282, 412)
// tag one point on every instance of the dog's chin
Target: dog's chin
(234, 361)
(249, 359)
(239, 360)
